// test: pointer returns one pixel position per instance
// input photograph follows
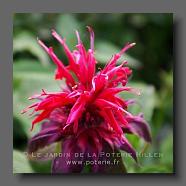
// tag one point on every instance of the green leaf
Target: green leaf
(30, 65)
(41, 167)
(166, 149)
(160, 168)
(66, 26)
(86, 169)
(21, 163)
(146, 102)
(26, 42)
(105, 50)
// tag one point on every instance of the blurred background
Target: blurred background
(151, 61)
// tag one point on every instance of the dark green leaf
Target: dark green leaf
(26, 42)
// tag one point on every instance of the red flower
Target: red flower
(88, 115)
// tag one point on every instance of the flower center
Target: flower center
(91, 118)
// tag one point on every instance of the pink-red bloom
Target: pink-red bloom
(87, 116)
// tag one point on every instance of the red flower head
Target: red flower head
(87, 116)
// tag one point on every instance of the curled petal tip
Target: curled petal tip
(135, 91)
(78, 37)
(132, 44)
(23, 111)
(31, 129)
(53, 30)
(64, 128)
(124, 63)
(57, 36)
(91, 37)
(126, 47)
(138, 92)
(39, 41)
(141, 115)
(89, 28)
(42, 45)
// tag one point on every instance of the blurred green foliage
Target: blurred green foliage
(151, 60)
